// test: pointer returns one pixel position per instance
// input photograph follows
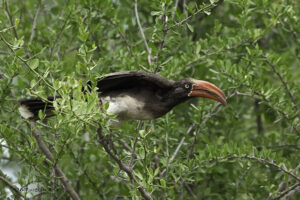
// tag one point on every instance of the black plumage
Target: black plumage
(136, 95)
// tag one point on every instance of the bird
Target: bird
(135, 95)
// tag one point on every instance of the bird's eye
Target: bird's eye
(187, 86)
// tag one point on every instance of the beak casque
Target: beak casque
(207, 90)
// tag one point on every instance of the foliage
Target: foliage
(246, 150)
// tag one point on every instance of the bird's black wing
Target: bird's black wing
(129, 79)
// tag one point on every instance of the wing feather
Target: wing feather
(129, 79)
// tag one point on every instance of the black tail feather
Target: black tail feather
(30, 108)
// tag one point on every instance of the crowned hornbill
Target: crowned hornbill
(136, 95)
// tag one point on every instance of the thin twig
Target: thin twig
(217, 51)
(257, 94)
(196, 13)
(167, 143)
(129, 46)
(173, 155)
(142, 33)
(176, 150)
(175, 8)
(59, 154)
(189, 189)
(133, 154)
(60, 33)
(203, 15)
(4, 53)
(162, 43)
(259, 123)
(25, 62)
(260, 160)
(125, 145)
(215, 110)
(91, 181)
(11, 19)
(52, 193)
(12, 187)
(287, 191)
(122, 166)
(65, 181)
(95, 39)
(284, 83)
(34, 24)
(283, 184)
(242, 177)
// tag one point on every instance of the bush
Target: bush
(199, 150)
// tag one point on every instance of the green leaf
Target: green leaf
(19, 52)
(204, 138)
(91, 104)
(213, 71)
(41, 114)
(139, 175)
(155, 13)
(34, 63)
(33, 83)
(207, 12)
(17, 21)
(162, 182)
(191, 28)
(156, 171)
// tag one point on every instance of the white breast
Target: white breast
(127, 108)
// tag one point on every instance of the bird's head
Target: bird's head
(189, 87)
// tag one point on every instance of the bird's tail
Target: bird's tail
(29, 109)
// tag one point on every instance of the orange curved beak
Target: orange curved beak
(207, 90)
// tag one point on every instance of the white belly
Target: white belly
(127, 108)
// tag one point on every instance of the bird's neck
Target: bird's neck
(172, 98)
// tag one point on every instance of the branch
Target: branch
(133, 154)
(25, 63)
(189, 189)
(162, 43)
(52, 194)
(175, 8)
(201, 17)
(11, 19)
(59, 34)
(176, 150)
(259, 123)
(91, 181)
(65, 181)
(257, 94)
(196, 13)
(129, 46)
(3, 53)
(260, 160)
(34, 24)
(213, 51)
(285, 85)
(293, 189)
(142, 33)
(122, 166)
(173, 155)
(215, 110)
(12, 187)
(283, 186)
